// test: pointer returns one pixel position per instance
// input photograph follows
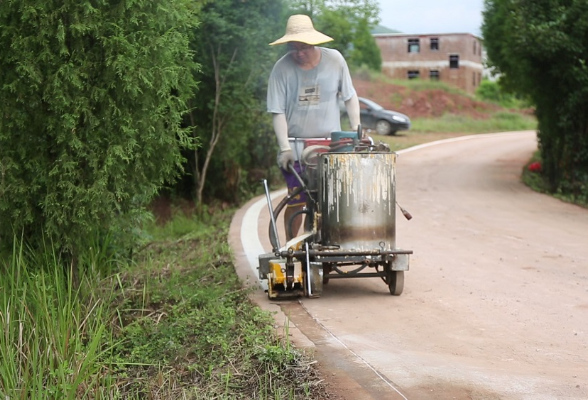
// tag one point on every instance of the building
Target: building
(453, 58)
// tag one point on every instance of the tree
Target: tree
(92, 95)
(539, 48)
(232, 46)
(365, 50)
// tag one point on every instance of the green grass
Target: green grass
(173, 324)
(427, 130)
(187, 323)
(53, 331)
(498, 122)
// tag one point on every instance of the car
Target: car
(374, 117)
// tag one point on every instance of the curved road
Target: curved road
(495, 305)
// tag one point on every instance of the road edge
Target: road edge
(283, 324)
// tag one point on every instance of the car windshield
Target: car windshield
(371, 104)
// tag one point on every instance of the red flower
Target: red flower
(535, 167)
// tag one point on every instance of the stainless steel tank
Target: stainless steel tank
(357, 198)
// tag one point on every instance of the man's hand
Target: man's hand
(285, 158)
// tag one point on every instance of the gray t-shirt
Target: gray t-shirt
(309, 97)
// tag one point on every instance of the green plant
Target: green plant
(524, 44)
(53, 330)
(228, 107)
(491, 91)
(93, 95)
(182, 310)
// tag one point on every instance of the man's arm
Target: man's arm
(352, 106)
(286, 156)
(281, 130)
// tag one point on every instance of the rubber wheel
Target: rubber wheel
(383, 127)
(396, 284)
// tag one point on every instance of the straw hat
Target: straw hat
(300, 29)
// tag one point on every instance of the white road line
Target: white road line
(249, 237)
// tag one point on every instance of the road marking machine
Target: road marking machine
(350, 220)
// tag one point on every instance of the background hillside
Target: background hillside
(425, 99)
(438, 111)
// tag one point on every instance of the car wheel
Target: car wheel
(383, 127)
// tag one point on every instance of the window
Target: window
(453, 61)
(474, 75)
(434, 75)
(413, 74)
(434, 43)
(475, 44)
(414, 46)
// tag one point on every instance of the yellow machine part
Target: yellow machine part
(277, 283)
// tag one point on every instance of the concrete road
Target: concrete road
(495, 305)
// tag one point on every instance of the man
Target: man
(303, 97)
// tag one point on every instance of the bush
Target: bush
(491, 91)
(92, 97)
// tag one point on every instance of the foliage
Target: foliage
(365, 50)
(539, 49)
(92, 97)
(349, 23)
(228, 115)
(491, 91)
(54, 331)
(176, 324)
(498, 122)
(188, 330)
(532, 177)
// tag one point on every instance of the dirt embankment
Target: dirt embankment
(429, 103)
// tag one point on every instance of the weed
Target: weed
(53, 331)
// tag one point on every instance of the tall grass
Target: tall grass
(53, 332)
(175, 323)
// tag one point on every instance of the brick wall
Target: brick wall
(452, 58)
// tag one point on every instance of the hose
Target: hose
(291, 220)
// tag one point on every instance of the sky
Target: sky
(432, 16)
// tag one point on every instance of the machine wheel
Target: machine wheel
(383, 127)
(396, 284)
